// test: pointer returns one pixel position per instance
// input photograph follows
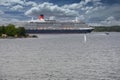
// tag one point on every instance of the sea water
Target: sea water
(61, 57)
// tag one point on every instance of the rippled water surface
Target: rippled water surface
(61, 57)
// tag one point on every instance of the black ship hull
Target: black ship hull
(52, 31)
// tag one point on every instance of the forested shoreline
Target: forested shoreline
(106, 28)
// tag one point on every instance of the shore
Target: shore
(14, 37)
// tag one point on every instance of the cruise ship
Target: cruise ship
(42, 26)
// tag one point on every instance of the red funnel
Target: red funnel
(41, 17)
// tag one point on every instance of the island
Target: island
(11, 31)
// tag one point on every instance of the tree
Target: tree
(2, 30)
(11, 30)
(21, 31)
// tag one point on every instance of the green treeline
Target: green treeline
(12, 31)
(106, 28)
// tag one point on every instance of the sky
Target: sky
(92, 12)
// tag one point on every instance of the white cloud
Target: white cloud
(10, 2)
(111, 18)
(20, 2)
(88, 1)
(93, 10)
(87, 8)
(92, 1)
(81, 17)
(52, 17)
(82, 4)
(1, 12)
(31, 3)
(110, 21)
(6, 21)
(74, 6)
(50, 9)
(103, 12)
(17, 8)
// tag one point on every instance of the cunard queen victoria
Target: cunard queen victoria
(52, 26)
